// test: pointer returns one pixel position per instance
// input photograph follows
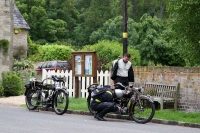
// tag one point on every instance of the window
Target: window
(44, 65)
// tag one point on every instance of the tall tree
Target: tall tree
(92, 18)
(50, 20)
(151, 7)
(150, 44)
(186, 24)
(112, 30)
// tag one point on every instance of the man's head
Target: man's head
(126, 57)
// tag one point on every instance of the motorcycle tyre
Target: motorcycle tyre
(143, 121)
(57, 111)
(29, 104)
(89, 100)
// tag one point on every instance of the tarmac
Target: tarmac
(19, 100)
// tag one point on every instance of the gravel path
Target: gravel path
(13, 100)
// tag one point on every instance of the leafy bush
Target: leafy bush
(49, 52)
(26, 68)
(108, 51)
(19, 52)
(34, 51)
(12, 83)
(56, 52)
(4, 44)
(22, 64)
(1, 90)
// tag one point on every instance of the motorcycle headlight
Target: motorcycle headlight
(32, 79)
(141, 89)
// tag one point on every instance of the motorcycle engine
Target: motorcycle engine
(119, 93)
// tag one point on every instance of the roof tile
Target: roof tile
(19, 21)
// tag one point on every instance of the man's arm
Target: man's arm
(114, 71)
(131, 74)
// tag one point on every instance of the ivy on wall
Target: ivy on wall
(4, 44)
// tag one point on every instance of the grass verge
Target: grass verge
(179, 116)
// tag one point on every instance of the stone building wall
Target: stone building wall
(20, 39)
(189, 79)
(20, 42)
(6, 32)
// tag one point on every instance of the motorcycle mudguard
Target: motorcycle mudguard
(146, 97)
(27, 87)
(25, 92)
(142, 97)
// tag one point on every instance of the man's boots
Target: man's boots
(100, 114)
(100, 117)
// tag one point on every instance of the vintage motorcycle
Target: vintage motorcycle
(41, 95)
(139, 107)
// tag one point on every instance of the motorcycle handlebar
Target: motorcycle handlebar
(57, 79)
(130, 87)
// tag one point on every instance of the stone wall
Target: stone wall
(6, 32)
(189, 79)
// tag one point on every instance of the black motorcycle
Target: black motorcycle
(139, 107)
(41, 95)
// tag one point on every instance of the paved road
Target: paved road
(14, 119)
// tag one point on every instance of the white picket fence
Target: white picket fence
(103, 78)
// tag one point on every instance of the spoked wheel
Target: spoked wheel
(60, 103)
(142, 111)
(89, 100)
(31, 99)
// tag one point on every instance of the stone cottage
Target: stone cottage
(11, 20)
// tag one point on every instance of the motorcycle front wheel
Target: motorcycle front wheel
(31, 99)
(60, 102)
(142, 111)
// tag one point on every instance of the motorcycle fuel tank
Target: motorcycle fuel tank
(119, 93)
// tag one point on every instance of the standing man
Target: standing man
(123, 71)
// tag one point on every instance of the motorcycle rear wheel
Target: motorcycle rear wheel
(60, 102)
(142, 113)
(31, 99)
(89, 100)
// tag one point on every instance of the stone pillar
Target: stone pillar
(6, 32)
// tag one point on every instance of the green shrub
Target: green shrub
(19, 52)
(1, 90)
(22, 64)
(12, 83)
(49, 52)
(56, 52)
(34, 51)
(108, 51)
(26, 68)
(4, 44)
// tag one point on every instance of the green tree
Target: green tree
(50, 20)
(64, 10)
(150, 44)
(186, 24)
(52, 30)
(136, 8)
(112, 30)
(92, 18)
